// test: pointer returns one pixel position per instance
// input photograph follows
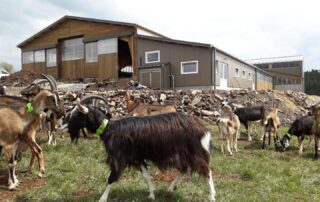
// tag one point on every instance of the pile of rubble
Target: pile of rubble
(21, 78)
(204, 103)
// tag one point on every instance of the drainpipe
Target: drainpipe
(171, 75)
(213, 68)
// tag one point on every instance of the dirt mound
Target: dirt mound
(21, 78)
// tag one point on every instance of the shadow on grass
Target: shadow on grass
(116, 195)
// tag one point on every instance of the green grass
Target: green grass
(252, 174)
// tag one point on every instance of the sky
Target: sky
(247, 29)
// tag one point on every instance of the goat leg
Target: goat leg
(269, 139)
(300, 141)
(147, 176)
(264, 140)
(113, 177)
(212, 196)
(316, 147)
(35, 148)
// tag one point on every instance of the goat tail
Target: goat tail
(206, 141)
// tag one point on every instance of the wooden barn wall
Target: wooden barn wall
(79, 68)
(107, 64)
(73, 69)
(53, 71)
(263, 85)
(175, 54)
(28, 67)
(73, 28)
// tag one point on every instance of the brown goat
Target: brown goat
(136, 108)
(271, 123)
(21, 125)
(229, 128)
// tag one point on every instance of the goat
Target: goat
(136, 108)
(20, 125)
(50, 118)
(271, 124)
(229, 128)
(168, 140)
(316, 129)
(300, 128)
(248, 114)
(91, 100)
(2, 89)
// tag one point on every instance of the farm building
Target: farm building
(76, 47)
(287, 71)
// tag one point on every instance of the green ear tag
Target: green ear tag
(99, 131)
(29, 107)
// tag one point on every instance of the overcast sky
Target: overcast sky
(244, 28)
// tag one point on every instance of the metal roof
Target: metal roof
(85, 19)
(167, 40)
(293, 58)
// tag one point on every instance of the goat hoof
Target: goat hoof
(40, 174)
(12, 187)
(151, 196)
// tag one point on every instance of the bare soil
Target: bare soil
(26, 183)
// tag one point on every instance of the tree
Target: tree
(312, 82)
(6, 66)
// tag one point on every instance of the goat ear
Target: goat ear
(82, 109)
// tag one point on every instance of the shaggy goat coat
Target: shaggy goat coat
(168, 140)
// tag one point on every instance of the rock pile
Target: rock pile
(204, 103)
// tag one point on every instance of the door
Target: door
(151, 78)
(253, 82)
(156, 79)
(224, 76)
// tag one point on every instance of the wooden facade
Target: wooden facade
(66, 28)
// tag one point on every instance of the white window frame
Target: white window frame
(236, 74)
(186, 62)
(244, 74)
(250, 76)
(150, 52)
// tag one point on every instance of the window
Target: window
(92, 52)
(249, 76)
(107, 46)
(236, 72)
(72, 49)
(244, 74)
(51, 57)
(190, 67)
(27, 57)
(39, 56)
(152, 56)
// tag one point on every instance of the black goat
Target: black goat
(2, 89)
(168, 140)
(248, 114)
(300, 127)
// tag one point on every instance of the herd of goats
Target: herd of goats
(156, 133)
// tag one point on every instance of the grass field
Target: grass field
(79, 173)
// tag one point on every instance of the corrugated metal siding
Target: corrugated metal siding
(175, 54)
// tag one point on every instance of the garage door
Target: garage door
(151, 78)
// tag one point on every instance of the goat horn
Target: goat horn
(50, 82)
(83, 109)
(54, 81)
(39, 81)
(90, 97)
